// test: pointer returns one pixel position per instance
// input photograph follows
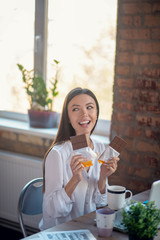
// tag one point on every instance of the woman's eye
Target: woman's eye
(75, 109)
(89, 107)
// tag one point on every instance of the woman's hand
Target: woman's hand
(109, 167)
(77, 169)
(77, 166)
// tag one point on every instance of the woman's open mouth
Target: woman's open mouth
(84, 123)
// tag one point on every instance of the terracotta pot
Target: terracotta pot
(42, 119)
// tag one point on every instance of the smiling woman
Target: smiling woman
(71, 188)
(82, 113)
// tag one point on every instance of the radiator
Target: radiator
(15, 171)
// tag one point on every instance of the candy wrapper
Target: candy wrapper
(81, 147)
(108, 154)
(88, 154)
(113, 150)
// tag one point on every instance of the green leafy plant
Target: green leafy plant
(40, 98)
(141, 220)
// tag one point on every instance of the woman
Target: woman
(70, 189)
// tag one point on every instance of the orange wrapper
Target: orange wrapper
(87, 163)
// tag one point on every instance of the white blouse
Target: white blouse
(57, 206)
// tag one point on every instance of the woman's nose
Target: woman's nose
(84, 112)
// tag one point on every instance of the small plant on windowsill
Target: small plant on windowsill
(41, 98)
(141, 221)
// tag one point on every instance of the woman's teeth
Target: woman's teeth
(84, 122)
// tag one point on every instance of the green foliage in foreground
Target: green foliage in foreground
(142, 220)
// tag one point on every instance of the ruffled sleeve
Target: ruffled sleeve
(56, 201)
(101, 199)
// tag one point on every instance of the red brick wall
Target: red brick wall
(136, 99)
(24, 143)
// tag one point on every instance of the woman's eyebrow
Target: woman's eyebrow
(90, 103)
(75, 105)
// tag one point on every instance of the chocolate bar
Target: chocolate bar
(118, 144)
(79, 141)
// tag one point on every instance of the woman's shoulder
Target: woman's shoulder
(62, 148)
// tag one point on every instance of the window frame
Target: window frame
(40, 64)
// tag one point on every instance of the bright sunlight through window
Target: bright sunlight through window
(81, 35)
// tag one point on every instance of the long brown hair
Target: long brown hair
(65, 129)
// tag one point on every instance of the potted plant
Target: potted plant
(41, 112)
(141, 220)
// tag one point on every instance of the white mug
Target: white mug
(105, 221)
(117, 197)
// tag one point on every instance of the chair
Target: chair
(30, 201)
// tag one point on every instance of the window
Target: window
(16, 46)
(81, 35)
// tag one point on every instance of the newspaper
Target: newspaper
(82, 234)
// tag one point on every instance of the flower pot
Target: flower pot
(133, 237)
(42, 119)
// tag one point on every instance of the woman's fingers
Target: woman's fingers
(109, 167)
(76, 165)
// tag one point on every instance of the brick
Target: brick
(123, 106)
(124, 94)
(123, 70)
(135, 185)
(155, 7)
(155, 33)
(30, 139)
(152, 73)
(137, 34)
(129, 141)
(153, 162)
(125, 156)
(127, 20)
(148, 121)
(147, 147)
(8, 135)
(128, 57)
(147, 47)
(155, 59)
(143, 107)
(117, 128)
(148, 96)
(142, 172)
(137, 21)
(125, 82)
(152, 20)
(144, 83)
(157, 173)
(139, 107)
(133, 132)
(153, 108)
(124, 117)
(144, 59)
(126, 45)
(47, 143)
(138, 7)
(155, 135)
(147, 161)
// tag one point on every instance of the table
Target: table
(87, 222)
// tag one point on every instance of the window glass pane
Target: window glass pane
(81, 35)
(16, 46)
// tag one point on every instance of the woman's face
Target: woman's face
(82, 113)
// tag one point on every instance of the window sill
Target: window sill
(23, 127)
